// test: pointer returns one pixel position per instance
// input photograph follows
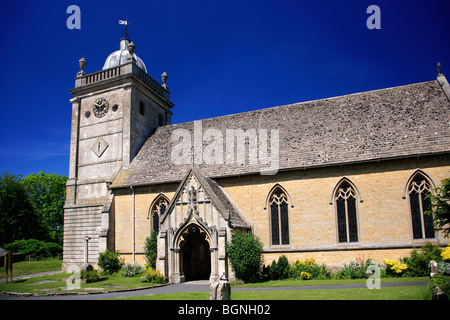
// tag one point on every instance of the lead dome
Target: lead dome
(120, 57)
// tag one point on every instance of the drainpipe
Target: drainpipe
(133, 221)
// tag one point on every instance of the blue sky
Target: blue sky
(222, 57)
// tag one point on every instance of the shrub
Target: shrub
(355, 269)
(153, 276)
(281, 269)
(90, 276)
(33, 246)
(432, 251)
(309, 266)
(418, 261)
(273, 271)
(435, 281)
(132, 270)
(151, 249)
(245, 254)
(265, 276)
(394, 268)
(109, 262)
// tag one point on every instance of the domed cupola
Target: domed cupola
(121, 56)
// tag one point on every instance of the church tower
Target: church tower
(114, 110)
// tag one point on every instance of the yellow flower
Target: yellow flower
(310, 262)
(399, 267)
(393, 265)
(389, 262)
(305, 275)
(446, 254)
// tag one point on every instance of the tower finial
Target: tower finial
(439, 68)
(125, 32)
(82, 64)
(164, 80)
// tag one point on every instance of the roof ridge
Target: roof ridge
(443, 83)
(304, 102)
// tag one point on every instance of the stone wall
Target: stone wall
(81, 222)
(384, 220)
(143, 197)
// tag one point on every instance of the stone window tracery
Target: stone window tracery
(279, 217)
(346, 213)
(422, 224)
(157, 210)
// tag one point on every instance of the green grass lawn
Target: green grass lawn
(30, 267)
(295, 283)
(54, 283)
(388, 293)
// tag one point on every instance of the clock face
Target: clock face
(100, 107)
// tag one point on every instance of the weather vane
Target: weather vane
(125, 32)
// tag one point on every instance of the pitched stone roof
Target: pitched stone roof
(235, 216)
(389, 123)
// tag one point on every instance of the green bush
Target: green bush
(418, 261)
(355, 269)
(109, 262)
(280, 270)
(309, 266)
(438, 280)
(33, 246)
(245, 254)
(89, 276)
(132, 270)
(151, 249)
(153, 276)
(273, 272)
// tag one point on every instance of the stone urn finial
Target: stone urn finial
(164, 80)
(82, 64)
(131, 48)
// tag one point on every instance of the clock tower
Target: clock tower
(114, 111)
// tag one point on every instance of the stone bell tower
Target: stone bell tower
(114, 110)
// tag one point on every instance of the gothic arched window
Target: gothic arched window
(157, 209)
(345, 198)
(422, 224)
(279, 217)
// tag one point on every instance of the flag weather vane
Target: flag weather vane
(125, 32)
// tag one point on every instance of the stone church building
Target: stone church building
(334, 179)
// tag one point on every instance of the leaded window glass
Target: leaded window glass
(346, 213)
(157, 211)
(422, 224)
(279, 217)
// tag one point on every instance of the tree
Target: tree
(47, 194)
(440, 207)
(151, 249)
(18, 219)
(245, 254)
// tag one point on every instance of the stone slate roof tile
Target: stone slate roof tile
(388, 123)
(235, 216)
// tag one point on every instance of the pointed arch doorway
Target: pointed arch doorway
(196, 255)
